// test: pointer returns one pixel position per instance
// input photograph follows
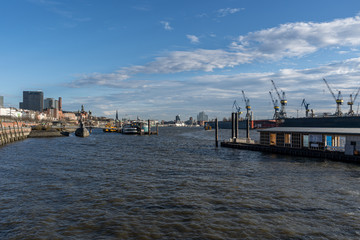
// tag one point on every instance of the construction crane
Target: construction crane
(237, 108)
(276, 106)
(351, 102)
(339, 101)
(306, 106)
(283, 101)
(247, 105)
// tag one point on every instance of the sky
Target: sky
(159, 58)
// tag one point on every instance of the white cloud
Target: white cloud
(183, 61)
(193, 38)
(227, 11)
(101, 79)
(299, 39)
(166, 25)
(287, 40)
(153, 97)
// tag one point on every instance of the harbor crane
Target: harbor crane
(306, 106)
(351, 102)
(283, 101)
(237, 108)
(339, 101)
(276, 106)
(247, 105)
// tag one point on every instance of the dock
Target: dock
(12, 131)
(332, 155)
(340, 144)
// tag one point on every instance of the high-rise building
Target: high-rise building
(60, 103)
(1, 101)
(202, 117)
(33, 100)
(49, 103)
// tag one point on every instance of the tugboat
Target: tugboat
(110, 128)
(82, 131)
(207, 127)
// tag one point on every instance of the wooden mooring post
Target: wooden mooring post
(232, 126)
(247, 128)
(236, 117)
(4, 135)
(11, 136)
(149, 127)
(216, 133)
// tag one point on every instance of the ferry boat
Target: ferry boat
(130, 129)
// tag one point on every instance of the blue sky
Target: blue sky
(156, 59)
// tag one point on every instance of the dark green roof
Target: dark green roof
(317, 130)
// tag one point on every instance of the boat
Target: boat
(130, 129)
(110, 129)
(324, 121)
(207, 127)
(254, 124)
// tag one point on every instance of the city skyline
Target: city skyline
(158, 59)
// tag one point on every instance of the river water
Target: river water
(173, 186)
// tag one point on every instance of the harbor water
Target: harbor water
(176, 185)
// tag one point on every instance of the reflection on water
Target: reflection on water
(176, 185)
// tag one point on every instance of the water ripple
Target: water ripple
(173, 186)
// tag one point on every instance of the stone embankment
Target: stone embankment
(46, 133)
(13, 131)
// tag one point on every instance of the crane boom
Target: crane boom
(272, 99)
(277, 92)
(339, 101)
(236, 106)
(276, 106)
(306, 105)
(282, 100)
(247, 104)
(332, 93)
(357, 93)
(246, 100)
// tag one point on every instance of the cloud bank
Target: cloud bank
(215, 93)
(273, 44)
(208, 88)
(299, 39)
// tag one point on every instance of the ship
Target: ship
(325, 121)
(254, 124)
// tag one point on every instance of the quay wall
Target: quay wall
(13, 131)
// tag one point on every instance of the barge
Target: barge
(342, 144)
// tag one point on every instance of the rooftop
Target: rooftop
(319, 130)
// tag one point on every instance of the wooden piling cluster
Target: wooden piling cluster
(11, 132)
